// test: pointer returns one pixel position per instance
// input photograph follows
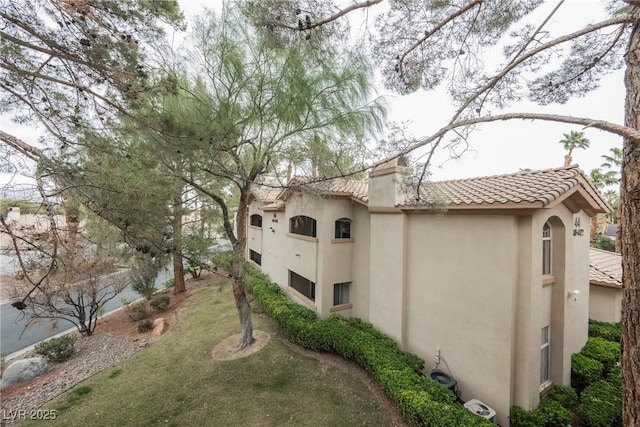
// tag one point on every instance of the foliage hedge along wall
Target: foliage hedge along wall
(422, 401)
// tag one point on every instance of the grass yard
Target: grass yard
(176, 382)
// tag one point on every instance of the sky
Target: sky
(495, 148)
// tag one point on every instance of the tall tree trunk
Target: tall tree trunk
(178, 270)
(629, 207)
(593, 230)
(237, 271)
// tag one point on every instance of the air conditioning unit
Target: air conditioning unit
(479, 408)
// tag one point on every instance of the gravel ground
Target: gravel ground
(93, 354)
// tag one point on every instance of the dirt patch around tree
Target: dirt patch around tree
(227, 349)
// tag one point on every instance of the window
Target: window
(343, 228)
(546, 249)
(341, 293)
(302, 225)
(256, 220)
(255, 257)
(544, 355)
(305, 286)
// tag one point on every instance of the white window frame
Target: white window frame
(547, 250)
(339, 293)
(545, 355)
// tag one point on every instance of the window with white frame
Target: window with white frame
(341, 293)
(544, 355)
(303, 285)
(343, 228)
(303, 225)
(546, 249)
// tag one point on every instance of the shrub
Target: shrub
(145, 325)
(57, 349)
(554, 414)
(136, 311)
(607, 331)
(520, 418)
(584, 371)
(606, 352)
(550, 413)
(601, 405)
(161, 303)
(168, 284)
(144, 287)
(605, 243)
(564, 395)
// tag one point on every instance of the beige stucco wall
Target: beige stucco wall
(461, 272)
(605, 303)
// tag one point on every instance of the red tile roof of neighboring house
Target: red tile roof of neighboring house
(527, 189)
(605, 268)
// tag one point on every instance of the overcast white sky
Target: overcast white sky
(496, 147)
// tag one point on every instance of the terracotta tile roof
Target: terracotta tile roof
(356, 190)
(605, 268)
(536, 188)
(268, 190)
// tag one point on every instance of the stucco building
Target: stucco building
(487, 280)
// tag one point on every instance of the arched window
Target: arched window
(256, 220)
(303, 225)
(546, 249)
(343, 228)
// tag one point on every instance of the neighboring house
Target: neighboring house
(605, 285)
(493, 290)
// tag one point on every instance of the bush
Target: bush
(145, 325)
(607, 331)
(57, 349)
(584, 371)
(605, 243)
(168, 284)
(520, 418)
(136, 311)
(606, 352)
(601, 405)
(144, 287)
(554, 414)
(161, 303)
(564, 395)
(550, 413)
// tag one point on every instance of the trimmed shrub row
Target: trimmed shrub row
(605, 352)
(604, 330)
(422, 402)
(554, 410)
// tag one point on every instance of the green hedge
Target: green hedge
(422, 402)
(584, 371)
(601, 404)
(606, 352)
(607, 331)
(564, 395)
(550, 413)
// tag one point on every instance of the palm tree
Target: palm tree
(614, 161)
(571, 141)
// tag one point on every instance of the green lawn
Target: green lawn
(175, 382)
